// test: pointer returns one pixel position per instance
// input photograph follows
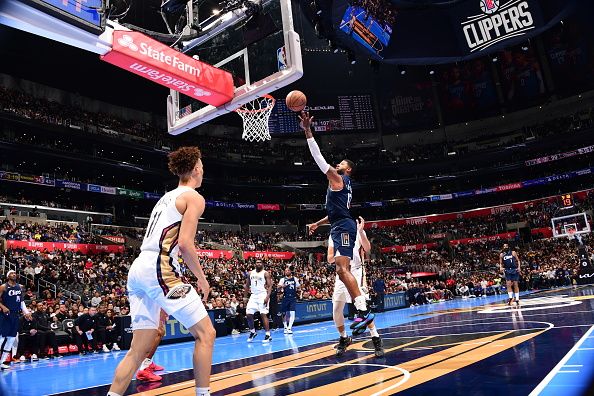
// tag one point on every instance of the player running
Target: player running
(154, 280)
(259, 284)
(340, 297)
(509, 264)
(343, 229)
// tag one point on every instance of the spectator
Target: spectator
(85, 326)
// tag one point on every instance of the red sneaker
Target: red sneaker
(155, 367)
(147, 375)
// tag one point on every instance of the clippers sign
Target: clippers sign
(141, 55)
(498, 22)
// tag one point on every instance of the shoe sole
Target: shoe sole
(364, 323)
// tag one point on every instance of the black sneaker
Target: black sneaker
(517, 303)
(377, 345)
(509, 301)
(252, 336)
(362, 320)
(266, 339)
(343, 344)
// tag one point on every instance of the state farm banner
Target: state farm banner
(84, 248)
(115, 239)
(150, 59)
(272, 255)
(215, 254)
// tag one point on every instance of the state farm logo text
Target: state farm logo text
(497, 23)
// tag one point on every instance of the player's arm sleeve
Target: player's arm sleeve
(314, 149)
(281, 282)
(330, 256)
(297, 284)
(24, 308)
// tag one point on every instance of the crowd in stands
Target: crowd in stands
(57, 232)
(46, 111)
(381, 10)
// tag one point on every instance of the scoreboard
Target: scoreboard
(85, 14)
(567, 200)
(341, 113)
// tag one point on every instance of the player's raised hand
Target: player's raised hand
(360, 223)
(305, 123)
(312, 228)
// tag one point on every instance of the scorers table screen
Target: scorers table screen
(331, 114)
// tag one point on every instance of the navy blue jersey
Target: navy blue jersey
(509, 261)
(290, 288)
(338, 203)
(11, 298)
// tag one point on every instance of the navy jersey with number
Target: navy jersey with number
(509, 261)
(338, 203)
(11, 297)
(290, 289)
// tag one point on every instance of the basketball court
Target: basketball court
(476, 346)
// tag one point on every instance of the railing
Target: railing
(42, 283)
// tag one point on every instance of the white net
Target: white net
(255, 115)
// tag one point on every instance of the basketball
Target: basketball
(296, 100)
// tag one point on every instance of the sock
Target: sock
(517, 296)
(291, 319)
(268, 333)
(360, 303)
(4, 357)
(145, 363)
(113, 394)
(343, 333)
(202, 391)
(374, 332)
(253, 331)
(286, 324)
(510, 294)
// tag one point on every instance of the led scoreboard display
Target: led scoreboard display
(336, 113)
(567, 200)
(85, 14)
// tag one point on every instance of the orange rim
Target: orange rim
(240, 110)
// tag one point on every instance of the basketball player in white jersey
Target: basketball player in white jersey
(154, 280)
(259, 284)
(341, 295)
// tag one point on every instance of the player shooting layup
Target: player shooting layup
(343, 228)
(154, 280)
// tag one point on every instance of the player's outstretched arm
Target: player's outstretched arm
(517, 260)
(314, 226)
(268, 286)
(334, 178)
(191, 206)
(365, 244)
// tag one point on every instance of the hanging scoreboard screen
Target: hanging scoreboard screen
(85, 14)
(331, 114)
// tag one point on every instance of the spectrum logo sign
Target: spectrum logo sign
(497, 23)
(152, 60)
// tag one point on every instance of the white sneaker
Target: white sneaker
(4, 366)
(116, 347)
(266, 339)
(34, 357)
(286, 331)
(22, 359)
(289, 331)
(105, 349)
(235, 332)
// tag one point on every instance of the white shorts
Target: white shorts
(256, 304)
(341, 293)
(149, 280)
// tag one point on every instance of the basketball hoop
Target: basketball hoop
(255, 115)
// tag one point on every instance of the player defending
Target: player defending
(343, 229)
(154, 280)
(12, 304)
(290, 287)
(509, 264)
(340, 297)
(260, 285)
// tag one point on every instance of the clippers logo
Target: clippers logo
(497, 23)
(128, 42)
(489, 6)
(345, 239)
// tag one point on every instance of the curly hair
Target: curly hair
(183, 160)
